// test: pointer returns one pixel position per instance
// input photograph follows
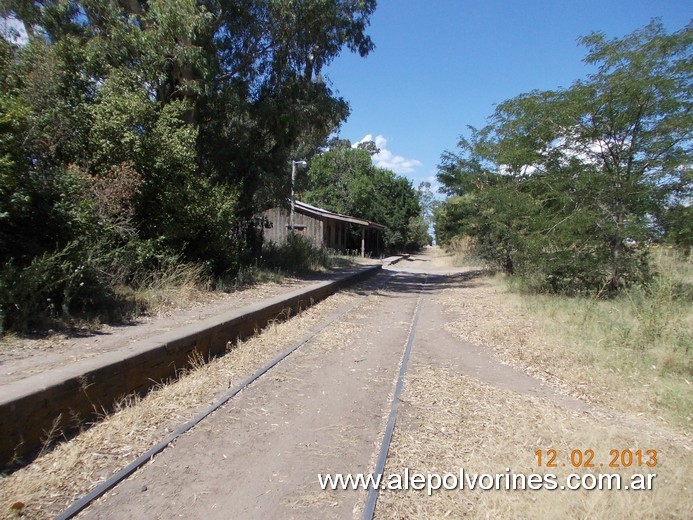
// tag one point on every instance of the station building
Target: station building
(324, 228)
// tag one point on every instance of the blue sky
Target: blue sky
(440, 65)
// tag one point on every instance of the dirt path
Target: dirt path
(320, 411)
(471, 406)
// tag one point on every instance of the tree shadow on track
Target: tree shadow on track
(403, 282)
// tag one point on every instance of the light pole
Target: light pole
(293, 197)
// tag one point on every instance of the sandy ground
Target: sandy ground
(23, 357)
(323, 410)
(486, 405)
(259, 457)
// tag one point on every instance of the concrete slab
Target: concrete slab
(390, 260)
(65, 397)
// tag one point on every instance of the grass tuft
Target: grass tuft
(463, 253)
(644, 335)
(632, 353)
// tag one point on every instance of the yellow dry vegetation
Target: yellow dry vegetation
(58, 477)
(449, 421)
(633, 353)
(629, 358)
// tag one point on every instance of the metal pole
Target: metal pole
(293, 205)
(363, 241)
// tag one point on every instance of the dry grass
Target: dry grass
(340, 260)
(577, 345)
(460, 252)
(336, 336)
(643, 400)
(169, 288)
(57, 478)
(449, 422)
(488, 313)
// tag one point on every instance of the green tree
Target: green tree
(582, 173)
(136, 133)
(343, 179)
(428, 202)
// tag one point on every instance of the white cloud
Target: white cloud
(433, 181)
(13, 30)
(388, 160)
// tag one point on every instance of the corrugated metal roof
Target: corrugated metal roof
(336, 216)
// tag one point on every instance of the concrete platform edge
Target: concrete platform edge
(41, 406)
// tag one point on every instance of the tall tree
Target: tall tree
(138, 131)
(595, 163)
(343, 179)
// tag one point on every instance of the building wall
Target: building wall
(322, 232)
(335, 234)
(307, 226)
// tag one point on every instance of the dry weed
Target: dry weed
(448, 422)
(539, 343)
(57, 478)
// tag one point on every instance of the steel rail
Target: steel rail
(128, 470)
(372, 499)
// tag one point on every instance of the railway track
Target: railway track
(371, 501)
(387, 283)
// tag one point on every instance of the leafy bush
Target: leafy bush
(566, 188)
(296, 255)
(641, 338)
(573, 271)
(53, 287)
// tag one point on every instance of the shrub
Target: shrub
(53, 287)
(296, 255)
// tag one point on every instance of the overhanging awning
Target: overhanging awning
(320, 212)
